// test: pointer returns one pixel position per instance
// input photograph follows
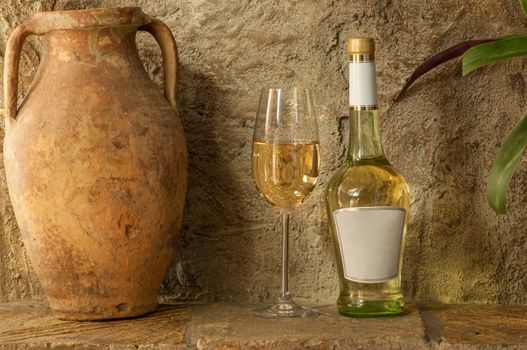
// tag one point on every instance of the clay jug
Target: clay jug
(96, 161)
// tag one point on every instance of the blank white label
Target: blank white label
(370, 242)
(362, 84)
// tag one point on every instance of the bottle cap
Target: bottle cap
(361, 45)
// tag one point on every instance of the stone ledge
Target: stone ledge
(31, 326)
(231, 326)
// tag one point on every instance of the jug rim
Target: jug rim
(132, 16)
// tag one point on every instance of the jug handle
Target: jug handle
(166, 42)
(12, 63)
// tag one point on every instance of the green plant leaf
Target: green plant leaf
(524, 7)
(439, 59)
(506, 161)
(501, 49)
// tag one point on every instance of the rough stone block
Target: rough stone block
(24, 326)
(226, 326)
(476, 326)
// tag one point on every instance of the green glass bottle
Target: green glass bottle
(367, 203)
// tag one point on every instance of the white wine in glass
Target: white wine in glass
(286, 164)
(285, 173)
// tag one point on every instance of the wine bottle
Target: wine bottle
(367, 203)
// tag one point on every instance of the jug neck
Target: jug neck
(45, 22)
(90, 36)
(91, 45)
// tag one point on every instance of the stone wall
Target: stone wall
(442, 136)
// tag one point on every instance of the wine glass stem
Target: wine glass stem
(285, 253)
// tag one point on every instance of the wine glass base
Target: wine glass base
(285, 307)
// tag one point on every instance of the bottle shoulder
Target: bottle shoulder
(367, 184)
(371, 169)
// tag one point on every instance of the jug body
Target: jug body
(96, 166)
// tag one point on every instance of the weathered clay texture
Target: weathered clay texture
(96, 162)
(442, 136)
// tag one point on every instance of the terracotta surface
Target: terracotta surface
(96, 162)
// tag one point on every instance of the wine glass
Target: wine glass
(285, 164)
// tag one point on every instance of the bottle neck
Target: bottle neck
(365, 137)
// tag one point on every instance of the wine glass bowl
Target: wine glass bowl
(285, 167)
(285, 173)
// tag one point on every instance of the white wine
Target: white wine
(367, 204)
(285, 173)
